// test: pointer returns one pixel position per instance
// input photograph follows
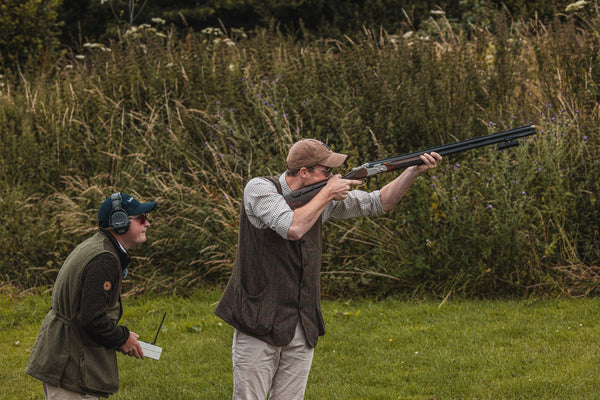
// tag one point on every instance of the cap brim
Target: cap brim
(334, 160)
(145, 208)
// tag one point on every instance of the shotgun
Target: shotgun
(504, 139)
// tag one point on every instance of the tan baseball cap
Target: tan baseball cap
(311, 152)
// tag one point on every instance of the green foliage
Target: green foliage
(28, 31)
(34, 250)
(99, 20)
(189, 121)
(74, 22)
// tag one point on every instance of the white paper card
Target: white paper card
(150, 350)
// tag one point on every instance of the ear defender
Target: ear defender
(119, 220)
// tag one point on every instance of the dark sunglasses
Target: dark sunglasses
(142, 217)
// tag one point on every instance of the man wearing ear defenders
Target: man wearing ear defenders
(74, 354)
(273, 296)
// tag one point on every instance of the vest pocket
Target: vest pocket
(99, 372)
(48, 358)
(253, 312)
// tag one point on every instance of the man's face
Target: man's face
(318, 173)
(137, 230)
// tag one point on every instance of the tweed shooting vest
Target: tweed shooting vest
(63, 354)
(274, 283)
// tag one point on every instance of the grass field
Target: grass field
(392, 349)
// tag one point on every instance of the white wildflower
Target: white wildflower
(576, 6)
(212, 31)
(94, 46)
(239, 31)
(131, 30)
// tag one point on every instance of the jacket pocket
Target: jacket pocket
(48, 359)
(254, 313)
(99, 371)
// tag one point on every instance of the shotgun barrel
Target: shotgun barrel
(504, 139)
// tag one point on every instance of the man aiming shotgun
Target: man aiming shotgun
(273, 296)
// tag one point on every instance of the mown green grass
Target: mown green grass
(392, 349)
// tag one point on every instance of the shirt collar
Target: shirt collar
(121, 246)
(285, 189)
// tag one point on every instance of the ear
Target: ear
(304, 172)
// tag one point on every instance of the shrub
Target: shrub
(189, 122)
(28, 32)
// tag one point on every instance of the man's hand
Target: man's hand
(339, 187)
(132, 347)
(430, 160)
(305, 217)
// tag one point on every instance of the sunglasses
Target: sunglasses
(142, 217)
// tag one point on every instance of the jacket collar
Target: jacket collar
(123, 256)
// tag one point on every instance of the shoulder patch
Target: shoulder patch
(107, 285)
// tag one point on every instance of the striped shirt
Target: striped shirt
(268, 209)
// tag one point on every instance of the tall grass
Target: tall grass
(188, 121)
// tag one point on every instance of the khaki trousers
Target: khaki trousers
(260, 368)
(56, 393)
